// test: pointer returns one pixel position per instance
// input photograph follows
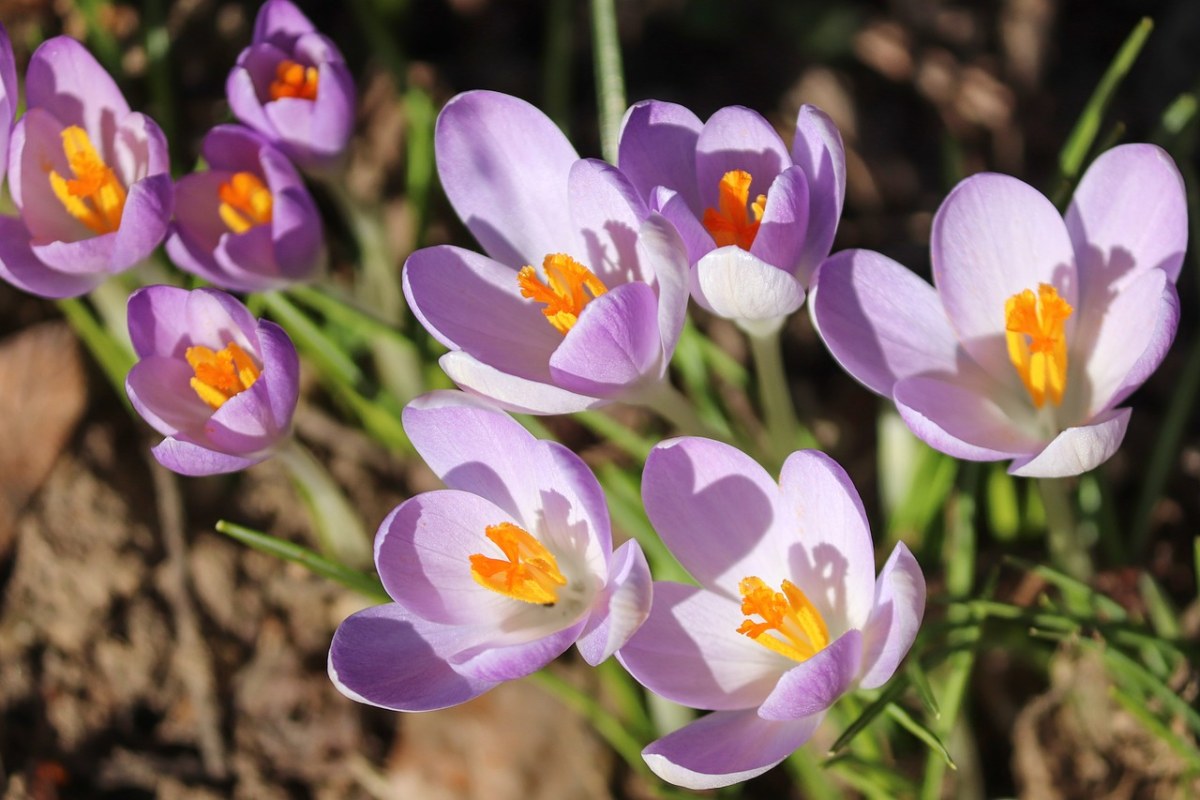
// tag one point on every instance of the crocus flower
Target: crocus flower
(756, 217)
(493, 577)
(292, 86)
(220, 385)
(9, 96)
(1038, 327)
(89, 177)
(788, 615)
(599, 321)
(248, 223)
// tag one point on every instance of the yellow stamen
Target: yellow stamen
(221, 374)
(563, 293)
(732, 224)
(792, 625)
(294, 80)
(1037, 341)
(530, 573)
(94, 196)
(245, 202)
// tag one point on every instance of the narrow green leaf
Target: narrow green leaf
(1163, 617)
(1137, 709)
(868, 715)
(609, 429)
(920, 681)
(114, 358)
(918, 729)
(1069, 585)
(334, 364)
(1125, 668)
(1004, 511)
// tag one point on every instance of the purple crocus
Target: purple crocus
(493, 577)
(292, 86)
(9, 96)
(788, 615)
(89, 177)
(1038, 327)
(757, 217)
(219, 384)
(248, 223)
(584, 295)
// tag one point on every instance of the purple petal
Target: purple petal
(725, 748)
(246, 261)
(674, 208)
(281, 23)
(613, 347)
(664, 262)
(214, 319)
(67, 81)
(814, 685)
(233, 148)
(159, 389)
(242, 93)
(736, 138)
(504, 166)
(94, 254)
(471, 303)
(281, 371)
(817, 149)
(831, 556)
(880, 321)
(689, 651)
(1076, 450)
(717, 511)
(737, 285)
(895, 619)
(20, 267)
(1128, 215)
(510, 392)
(782, 235)
(158, 321)
(139, 150)
(620, 608)
(387, 657)
(607, 211)
(144, 221)
(244, 424)
(37, 144)
(194, 460)
(512, 661)
(315, 132)
(993, 237)
(658, 148)
(961, 419)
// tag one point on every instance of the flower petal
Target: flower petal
(960, 419)
(387, 657)
(736, 138)
(504, 166)
(607, 212)
(281, 23)
(880, 321)
(512, 392)
(782, 235)
(895, 619)
(506, 662)
(158, 387)
(621, 607)
(36, 144)
(689, 651)
(194, 460)
(995, 236)
(817, 149)
(1076, 450)
(725, 748)
(734, 284)
(811, 687)
(144, 222)
(68, 82)
(658, 148)
(23, 269)
(673, 207)
(665, 265)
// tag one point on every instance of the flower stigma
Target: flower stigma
(245, 202)
(221, 374)
(733, 224)
(569, 286)
(530, 573)
(294, 80)
(94, 196)
(791, 625)
(1037, 341)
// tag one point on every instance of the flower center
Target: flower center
(733, 223)
(563, 291)
(93, 196)
(221, 374)
(245, 202)
(529, 572)
(791, 625)
(294, 80)
(1037, 341)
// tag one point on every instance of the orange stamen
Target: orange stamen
(221, 374)
(294, 80)
(94, 196)
(732, 224)
(791, 625)
(530, 573)
(563, 292)
(245, 202)
(1035, 327)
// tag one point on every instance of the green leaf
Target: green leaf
(918, 729)
(868, 715)
(1136, 708)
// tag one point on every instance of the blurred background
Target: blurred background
(144, 655)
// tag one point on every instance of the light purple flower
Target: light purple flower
(757, 217)
(89, 177)
(219, 384)
(1039, 326)
(247, 224)
(9, 96)
(788, 615)
(493, 577)
(608, 330)
(292, 86)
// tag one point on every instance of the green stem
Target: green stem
(340, 533)
(808, 773)
(672, 405)
(610, 83)
(774, 396)
(114, 358)
(1067, 549)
